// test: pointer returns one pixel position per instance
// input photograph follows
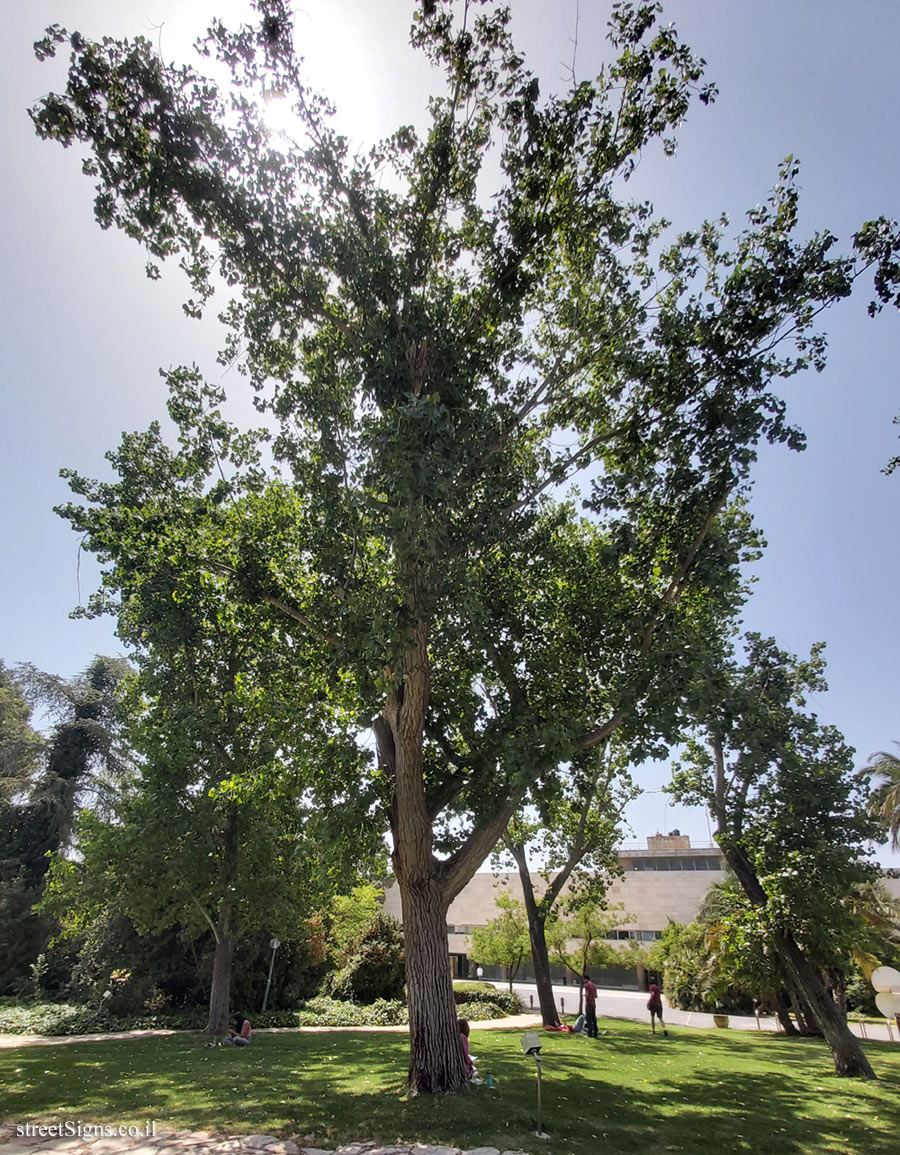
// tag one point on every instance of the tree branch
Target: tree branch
(458, 869)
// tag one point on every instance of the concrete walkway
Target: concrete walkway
(611, 1004)
(509, 1022)
(206, 1143)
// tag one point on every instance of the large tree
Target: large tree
(247, 811)
(437, 364)
(789, 813)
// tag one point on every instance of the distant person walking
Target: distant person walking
(590, 1007)
(655, 1007)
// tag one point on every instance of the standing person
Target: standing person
(655, 1007)
(590, 1007)
(240, 1036)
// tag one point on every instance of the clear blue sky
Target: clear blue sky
(84, 332)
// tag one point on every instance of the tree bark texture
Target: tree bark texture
(436, 1061)
(849, 1060)
(783, 1011)
(536, 933)
(541, 963)
(220, 993)
(427, 884)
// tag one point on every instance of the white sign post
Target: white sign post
(531, 1045)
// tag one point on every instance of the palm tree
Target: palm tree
(884, 802)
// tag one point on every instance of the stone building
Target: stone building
(666, 881)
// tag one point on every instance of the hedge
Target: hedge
(505, 1001)
(70, 1019)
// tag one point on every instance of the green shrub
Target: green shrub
(463, 991)
(478, 1012)
(376, 967)
(503, 1001)
(17, 1018)
(325, 1012)
(55, 1019)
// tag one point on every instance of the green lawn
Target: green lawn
(628, 1091)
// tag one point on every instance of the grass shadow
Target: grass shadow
(627, 1091)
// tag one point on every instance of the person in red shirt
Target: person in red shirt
(655, 1007)
(590, 1007)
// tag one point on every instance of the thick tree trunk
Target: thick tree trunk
(220, 993)
(803, 1016)
(436, 1061)
(427, 884)
(849, 1060)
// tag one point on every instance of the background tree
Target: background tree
(21, 747)
(349, 915)
(249, 809)
(885, 802)
(789, 815)
(573, 834)
(374, 964)
(721, 962)
(504, 941)
(579, 938)
(20, 744)
(437, 364)
(42, 783)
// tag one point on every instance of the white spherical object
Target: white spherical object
(885, 979)
(888, 1004)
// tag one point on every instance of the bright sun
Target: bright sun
(277, 113)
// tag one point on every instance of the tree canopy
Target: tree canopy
(789, 809)
(435, 365)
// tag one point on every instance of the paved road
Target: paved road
(619, 1004)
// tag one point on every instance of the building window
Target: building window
(706, 862)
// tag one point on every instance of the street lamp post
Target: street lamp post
(274, 944)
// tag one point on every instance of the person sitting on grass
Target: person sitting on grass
(240, 1036)
(655, 1007)
(471, 1073)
